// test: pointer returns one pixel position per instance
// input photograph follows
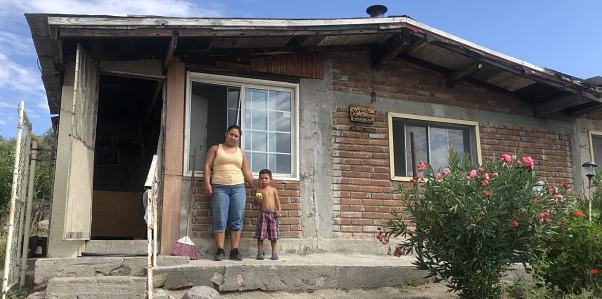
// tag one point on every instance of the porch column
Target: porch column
(174, 156)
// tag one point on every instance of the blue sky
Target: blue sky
(562, 35)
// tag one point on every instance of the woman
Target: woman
(227, 190)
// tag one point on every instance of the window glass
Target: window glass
(265, 115)
(597, 148)
(432, 141)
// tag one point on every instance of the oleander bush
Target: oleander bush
(468, 224)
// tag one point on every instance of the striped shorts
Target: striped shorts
(267, 226)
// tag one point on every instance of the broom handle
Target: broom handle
(191, 193)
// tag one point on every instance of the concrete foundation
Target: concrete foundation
(294, 273)
(96, 288)
(98, 266)
(117, 247)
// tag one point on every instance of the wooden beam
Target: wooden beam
(557, 104)
(171, 48)
(586, 110)
(272, 50)
(390, 49)
(448, 72)
(463, 73)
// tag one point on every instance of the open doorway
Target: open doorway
(128, 128)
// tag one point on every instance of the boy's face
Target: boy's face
(264, 180)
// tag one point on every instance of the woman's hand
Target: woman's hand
(208, 190)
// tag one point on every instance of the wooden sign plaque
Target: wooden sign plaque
(361, 114)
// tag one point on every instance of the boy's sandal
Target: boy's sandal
(260, 256)
(274, 257)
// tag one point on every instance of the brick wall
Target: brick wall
(398, 79)
(362, 189)
(289, 222)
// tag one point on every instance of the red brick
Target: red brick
(351, 188)
(351, 201)
(351, 214)
(373, 215)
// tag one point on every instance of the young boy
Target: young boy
(269, 210)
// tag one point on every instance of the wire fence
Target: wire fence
(17, 202)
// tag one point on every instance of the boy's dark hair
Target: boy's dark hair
(266, 171)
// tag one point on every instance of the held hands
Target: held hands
(208, 190)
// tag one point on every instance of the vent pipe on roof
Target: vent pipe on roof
(376, 11)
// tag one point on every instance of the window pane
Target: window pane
(233, 118)
(259, 162)
(280, 143)
(248, 141)
(399, 148)
(280, 121)
(280, 163)
(233, 97)
(597, 148)
(257, 98)
(280, 100)
(421, 146)
(209, 119)
(259, 120)
(260, 142)
(440, 140)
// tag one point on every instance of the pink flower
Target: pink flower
(506, 158)
(438, 175)
(541, 215)
(485, 183)
(528, 162)
(379, 236)
(547, 214)
(446, 171)
(513, 157)
(568, 189)
(421, 166)
(385, 242)
(468, 178)
(540, 219)
(495, 175)
(419, 176)
(555, 191)
(486, 176)
(473, 173)
(480, 169)
(513, 223)
(548, 220)
(558, 197)
(549, 188)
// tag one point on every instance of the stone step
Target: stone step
(103, 287)
(294, 273)
(46, 269)
(117, 247)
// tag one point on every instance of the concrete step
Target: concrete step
(104, 287)
(46, 269)
(294, 273)
(117, 247)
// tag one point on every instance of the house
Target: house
(327, 104)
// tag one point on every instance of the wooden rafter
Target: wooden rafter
(557, 104)
(463, 73)
(171, 48)
(393, 46)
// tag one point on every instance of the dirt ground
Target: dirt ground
(426, 291)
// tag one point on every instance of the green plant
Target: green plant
(575, 252)
(470, 224)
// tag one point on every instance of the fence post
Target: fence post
(26, 231)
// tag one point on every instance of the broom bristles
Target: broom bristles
(181, 249)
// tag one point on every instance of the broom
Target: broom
(185, 246)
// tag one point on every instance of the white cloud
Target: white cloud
(17, 77)
(2, 122)
(179, 8)
(15, 44)
(7, 105)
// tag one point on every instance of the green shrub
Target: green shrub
(470, 224)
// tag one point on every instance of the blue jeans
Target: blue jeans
(228, 207)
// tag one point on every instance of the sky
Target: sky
(565, 36)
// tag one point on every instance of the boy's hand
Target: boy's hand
(277, 214)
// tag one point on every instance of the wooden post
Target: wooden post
(174, 156)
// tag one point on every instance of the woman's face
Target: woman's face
(232, 137)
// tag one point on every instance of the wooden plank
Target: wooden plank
(558, 104)
(306, 65)
(313, 41)
(171, 48)
(170, 215)
(462, 73)
(361, 114)
(274, 50)
(176, 81)
(500, 78)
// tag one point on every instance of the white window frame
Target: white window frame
(244, 83)
(591, 143)
(427, 119)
